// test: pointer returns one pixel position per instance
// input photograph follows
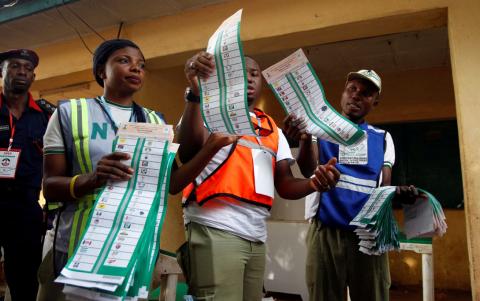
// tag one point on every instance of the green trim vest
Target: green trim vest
(88, 136)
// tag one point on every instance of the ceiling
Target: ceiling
(385, 54)
(49, 26)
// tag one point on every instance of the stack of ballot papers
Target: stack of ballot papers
(378, 230)
(116, 256)
(376, 225)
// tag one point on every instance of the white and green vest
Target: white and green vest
(88, 136)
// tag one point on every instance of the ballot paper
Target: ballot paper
(223, 94)
(116, 255)
(299, 91)
(424, 218)
(378, 230)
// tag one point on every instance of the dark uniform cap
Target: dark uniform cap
(25, 54)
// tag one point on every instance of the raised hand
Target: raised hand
(295, 128)
(200, 65)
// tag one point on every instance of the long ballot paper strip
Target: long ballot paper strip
(299, 91)
(377, 228)
(223, 95)
(116, 255)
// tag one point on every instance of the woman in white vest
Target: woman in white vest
(77, 151)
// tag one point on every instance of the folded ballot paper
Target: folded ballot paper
(116, 255)
(298, 89)
(378, 230)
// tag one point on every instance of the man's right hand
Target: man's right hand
(295, 128)
(325, 176)
(201, 65)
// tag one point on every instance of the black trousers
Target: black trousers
(21, 230)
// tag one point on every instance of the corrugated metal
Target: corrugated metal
(48, 26)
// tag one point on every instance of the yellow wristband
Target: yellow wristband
(72, 187)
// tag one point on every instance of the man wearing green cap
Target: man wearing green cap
(22, 124)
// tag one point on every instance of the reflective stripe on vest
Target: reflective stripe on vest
(81, 139)
(254, 145)
(229, 175)
(53, 205)
(152, 117)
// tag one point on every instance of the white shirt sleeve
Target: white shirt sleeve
(312, 201)
(284, 151)
(53, 140)
(389, 157)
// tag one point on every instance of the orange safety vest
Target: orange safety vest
(234, 178)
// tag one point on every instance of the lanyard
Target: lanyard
(106, 109)
(259, 124)
(12, 131)
(12, 125)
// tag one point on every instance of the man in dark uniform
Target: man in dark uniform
(22, 125)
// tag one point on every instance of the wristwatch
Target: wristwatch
(190, 96)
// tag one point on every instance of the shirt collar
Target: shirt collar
(31, 102)
(363, 125)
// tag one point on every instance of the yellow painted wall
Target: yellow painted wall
(163, 91)
(271, 25)
(464, 39)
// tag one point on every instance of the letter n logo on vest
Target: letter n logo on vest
(102, 131)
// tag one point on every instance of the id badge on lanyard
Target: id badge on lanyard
(9, 157)
(9, 163)
(263, 172)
